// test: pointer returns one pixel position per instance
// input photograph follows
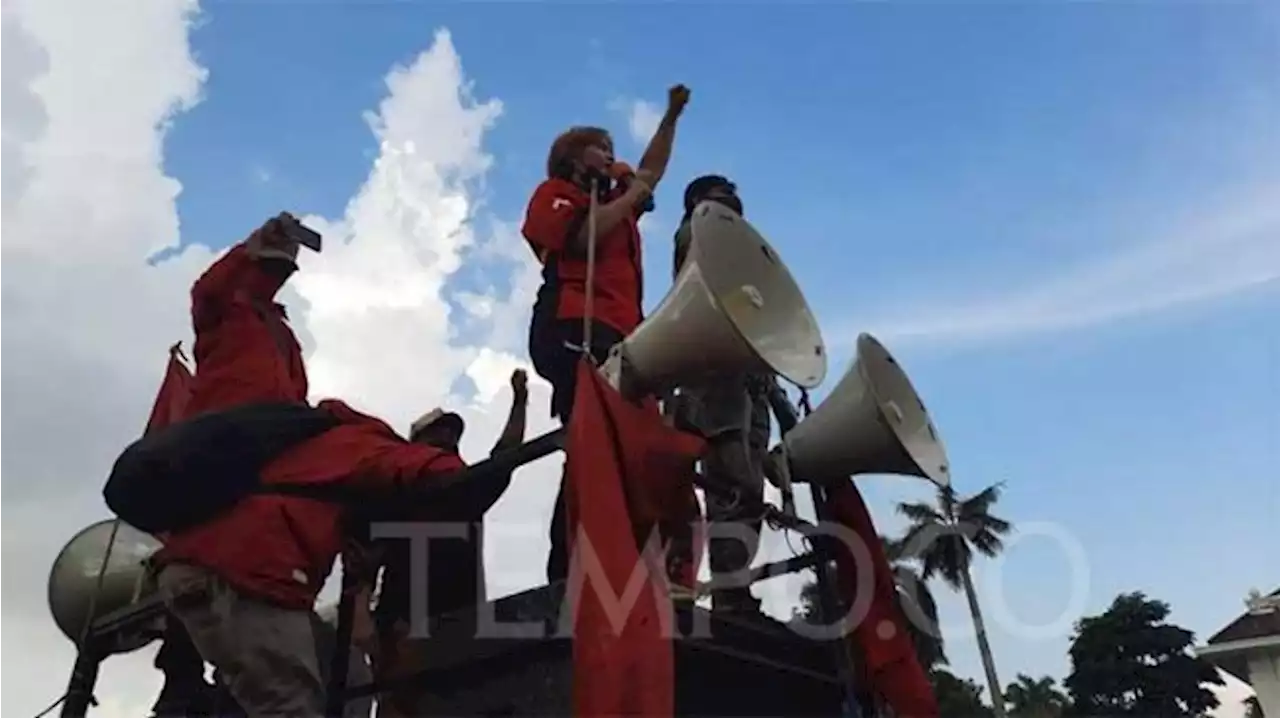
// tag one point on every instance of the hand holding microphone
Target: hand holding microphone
(629, 179)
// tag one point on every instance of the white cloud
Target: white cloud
(1224, 251)
(642, 118)
(88, 320)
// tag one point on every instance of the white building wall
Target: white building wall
(1264, 674)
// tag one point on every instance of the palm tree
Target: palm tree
(1035, 698)
(943, 538)
(918, 606)
(914, 598)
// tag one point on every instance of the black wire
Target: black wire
(53, 705)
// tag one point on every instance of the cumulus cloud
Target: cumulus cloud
(1227, 250)
(88, 319)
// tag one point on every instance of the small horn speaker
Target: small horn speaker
(873, 422)
(734, 308)
(73, 580)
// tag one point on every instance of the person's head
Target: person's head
(438, 428)
(580, 150)
(712, 188)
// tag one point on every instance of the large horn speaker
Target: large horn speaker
(73, 580)
(873, 422)
(734, 308)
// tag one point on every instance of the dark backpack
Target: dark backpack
(194, 470)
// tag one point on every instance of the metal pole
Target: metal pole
(84, 676)
(335, 693)
(829, 606)
(588, 303)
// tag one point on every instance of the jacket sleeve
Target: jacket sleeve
(555, 214)
(409, 466)
(395, 464)
(234, 272)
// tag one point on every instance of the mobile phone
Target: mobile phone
(303, 235)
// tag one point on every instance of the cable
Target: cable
(52, 705)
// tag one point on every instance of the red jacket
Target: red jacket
(244, 351)
(558, 211)
(281, 548)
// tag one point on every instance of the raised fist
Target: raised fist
(520, 382)
(677, 98)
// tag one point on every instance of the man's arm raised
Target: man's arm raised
(513, 433)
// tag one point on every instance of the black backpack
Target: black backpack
(192, 471)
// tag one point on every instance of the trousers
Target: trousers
(734, 462)
(735, 421)
(265, 654)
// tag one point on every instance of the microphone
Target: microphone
(623, 175)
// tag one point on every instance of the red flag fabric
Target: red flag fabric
(171, 401)
(889, 657)
(622, 461)
(175, 390)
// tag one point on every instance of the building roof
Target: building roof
(1260, 622)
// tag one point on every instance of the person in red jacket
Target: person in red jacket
(245, 351)
(244, 583)
(556, 229)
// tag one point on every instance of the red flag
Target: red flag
(890, 658)
(171, 401)
(623, 462)
(175, 390)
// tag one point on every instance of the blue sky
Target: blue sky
(1031, 188)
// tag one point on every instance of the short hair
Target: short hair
(699, 188)
(569, 146)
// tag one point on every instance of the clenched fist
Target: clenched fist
(520, 383)
(677, 98)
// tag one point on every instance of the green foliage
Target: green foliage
(1128, 661)
(957, 697)
(1029, 697)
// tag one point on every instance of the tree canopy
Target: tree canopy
(958, 697)
(1128, 661)
(1029, 697)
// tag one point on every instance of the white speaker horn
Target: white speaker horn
(873, 422)
(73, 580)
(734, 308)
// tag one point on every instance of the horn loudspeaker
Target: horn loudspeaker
(873, 422)
(734, 308)
(73, 580)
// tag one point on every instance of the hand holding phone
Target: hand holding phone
(297, 232)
